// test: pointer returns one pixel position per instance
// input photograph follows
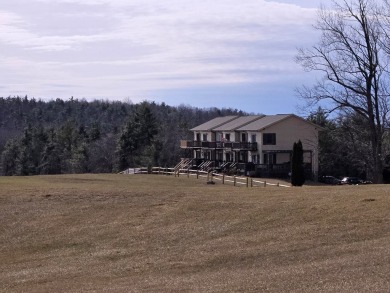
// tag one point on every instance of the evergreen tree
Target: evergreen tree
(126, 146)
(297, 168)
(9, 157)
(79, 160)
(29, 153)
(137, 139)
(51, 156)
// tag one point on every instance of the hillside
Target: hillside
(150, 233)
(76, 136)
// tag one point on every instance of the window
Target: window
(269, 138)
(227, 136)
(198, 137)
(243, 137)
(204, 136)
(253, 137)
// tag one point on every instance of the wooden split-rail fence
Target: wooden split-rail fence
(211, 177)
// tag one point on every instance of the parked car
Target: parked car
(330, 180)
(352, 180)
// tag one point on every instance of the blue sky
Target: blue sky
(220, 53)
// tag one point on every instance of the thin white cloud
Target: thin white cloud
(98, 47)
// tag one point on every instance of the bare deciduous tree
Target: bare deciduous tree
(351, 57)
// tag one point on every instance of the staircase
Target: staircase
(206, 166)
(225, 165)
(183, 164)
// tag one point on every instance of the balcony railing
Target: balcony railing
(250, 146)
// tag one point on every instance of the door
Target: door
(270, 159)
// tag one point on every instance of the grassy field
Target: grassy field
(150, 233)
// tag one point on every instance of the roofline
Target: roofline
(211, 129)
(289, 116)
(320, 128)
(258, 117)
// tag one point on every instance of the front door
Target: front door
(270, 159)
(243, 157)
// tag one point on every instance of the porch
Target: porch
(194, 144)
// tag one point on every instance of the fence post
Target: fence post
(251, 182)
(188, 173)
(234, 180)
(247, 181)
(197, 174)
(265, 183)
(223, 178)
(277, 184)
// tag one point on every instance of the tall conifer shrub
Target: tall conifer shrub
(297, 168)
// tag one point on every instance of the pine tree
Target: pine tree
(9, 157)
(136, 139)
(51, 156)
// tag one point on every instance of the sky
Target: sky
(222, 53)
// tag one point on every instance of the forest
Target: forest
(76, 136)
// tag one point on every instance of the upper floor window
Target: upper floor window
(243, 137)
(204, 136)
(227, 136)
(253, 137)
(198, 137)
(269, 138)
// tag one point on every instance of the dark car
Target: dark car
(352, 181)
(330, 180)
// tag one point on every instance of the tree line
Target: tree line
(76, 136)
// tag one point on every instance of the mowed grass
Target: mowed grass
(156, 233)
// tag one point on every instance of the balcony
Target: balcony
(242, 146)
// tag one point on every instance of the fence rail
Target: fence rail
(135, 171)
(209, 176)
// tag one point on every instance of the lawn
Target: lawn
(157, 233)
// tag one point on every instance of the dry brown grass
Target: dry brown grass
(149, 233)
